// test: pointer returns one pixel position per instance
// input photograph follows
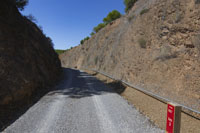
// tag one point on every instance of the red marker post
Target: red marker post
(173, 118)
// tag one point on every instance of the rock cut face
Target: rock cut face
(27, 59)
(155, 46)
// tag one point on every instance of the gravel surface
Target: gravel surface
(82, 104)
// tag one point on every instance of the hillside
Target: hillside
(28, 62)
(156, 46)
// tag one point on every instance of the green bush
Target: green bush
(112, 16)
(129, 4)
(82, 41)
(99, 27)
(142, 43)
(20, 4)
(144, 11)
(91, 34)
(59, 51)
(87, 38)
(31, 18)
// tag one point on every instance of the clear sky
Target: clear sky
(69, 21)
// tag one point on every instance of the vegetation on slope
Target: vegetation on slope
(60, 51)
(129, 4)
(112, 16)
(85, 39)
(99, 27)
(20, 4)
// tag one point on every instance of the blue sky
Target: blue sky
(69, 21)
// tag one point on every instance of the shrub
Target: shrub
(99, 27)
(129, 4)
(91, 34)
(87, 38)
(142, 43)
(144, 11)
(112, 16)
(20, 4)
(82, 41)
(31, 18)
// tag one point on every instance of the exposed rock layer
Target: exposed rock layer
(28, 61)
(157, 48)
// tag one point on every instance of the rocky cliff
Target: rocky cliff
(156, 46)
(28, 62)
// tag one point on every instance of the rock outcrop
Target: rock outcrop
(156, 46)
(28, 61)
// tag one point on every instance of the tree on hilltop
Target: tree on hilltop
(20, 4)
(112, 16)
(129, 4)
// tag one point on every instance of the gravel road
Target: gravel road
(82, 104)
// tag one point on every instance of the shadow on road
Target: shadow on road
(74, 84)
(82, 85)
(13, 111)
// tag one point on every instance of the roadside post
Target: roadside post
(173, 118)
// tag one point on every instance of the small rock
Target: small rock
(164, 37)
(165, 31)
(189, 44)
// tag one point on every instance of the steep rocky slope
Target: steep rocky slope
(28, 62)
(156, 46)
